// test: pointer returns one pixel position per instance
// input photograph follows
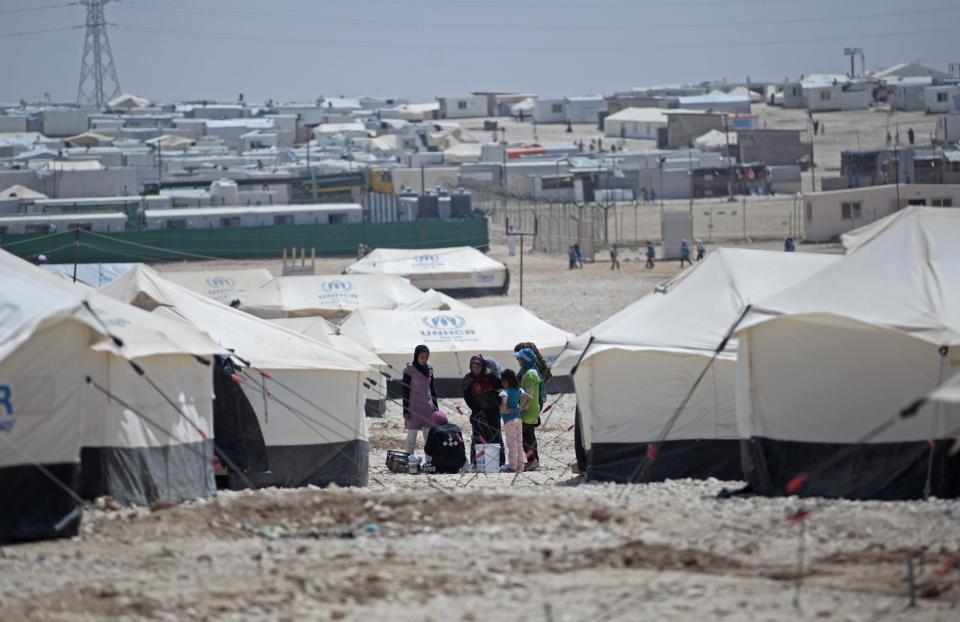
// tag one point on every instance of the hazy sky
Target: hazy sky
(301, 49)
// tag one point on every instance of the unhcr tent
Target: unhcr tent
(453, 337)
(318, 328)
(222, 285)
(433, 300)
(95, 275)
(137, 446)
(827, 365)
(307, 395)
(329, 296)
(45, 335)
(147, 426)
(457, 271)
(636, 368)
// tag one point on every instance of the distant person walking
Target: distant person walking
(419, 397)
(910, 135)
(511, 241)
(577, 256)
(684, 253)
(789, 246)
(701, 250)
(571, 258)
(651, 254)
(614, 258)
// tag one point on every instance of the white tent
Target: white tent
(96, 275)
(307, 395)
(329, 296)
(17, 191)
(88, 139)
(128, 102)
(325, 332)
(171, 142)
(45, 336)
(458, 271)
(147, 450)
(636, 367)
(831, 358)
(453, 337)
(222, 285)
(433, 300)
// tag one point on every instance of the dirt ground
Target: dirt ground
(538, 546)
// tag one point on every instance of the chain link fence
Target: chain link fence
(593, 225)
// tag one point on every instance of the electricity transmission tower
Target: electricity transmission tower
(97, 70)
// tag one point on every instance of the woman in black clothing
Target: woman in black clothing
(481, 389)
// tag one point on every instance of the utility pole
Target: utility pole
(313, 175)
(813, 179)
(726, 130)
(522, 235)
(97, 69)
(853, 53)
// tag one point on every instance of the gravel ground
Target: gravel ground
(539, 546)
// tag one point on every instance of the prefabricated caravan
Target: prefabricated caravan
(942, 98)
(58, 223)
(463, 107)
(260, 216)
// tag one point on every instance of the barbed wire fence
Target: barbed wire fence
(632, 223)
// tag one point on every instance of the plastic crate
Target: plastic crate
(397, 461)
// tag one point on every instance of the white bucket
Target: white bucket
(488, 458)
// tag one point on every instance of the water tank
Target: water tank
(429, 206)
(407, 208)
(224, 192)
(461, 204)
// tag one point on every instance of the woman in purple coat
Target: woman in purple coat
(419, 397)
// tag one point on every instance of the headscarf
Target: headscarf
(479, 360)
(439, 418)
(542, 366)
(416, 356)
(528, 361)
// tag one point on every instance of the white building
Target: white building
(836, 96)
(908, 93)
(65, 121)
(339, 133)
(462, 107)
(549, 110)
(948, 127)
(569, 109)
(235, 217)
(828, 215)
(942, 98)
(58, 223)
(717, 102)
(792, 95)
(641, 123)
(585, 109)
